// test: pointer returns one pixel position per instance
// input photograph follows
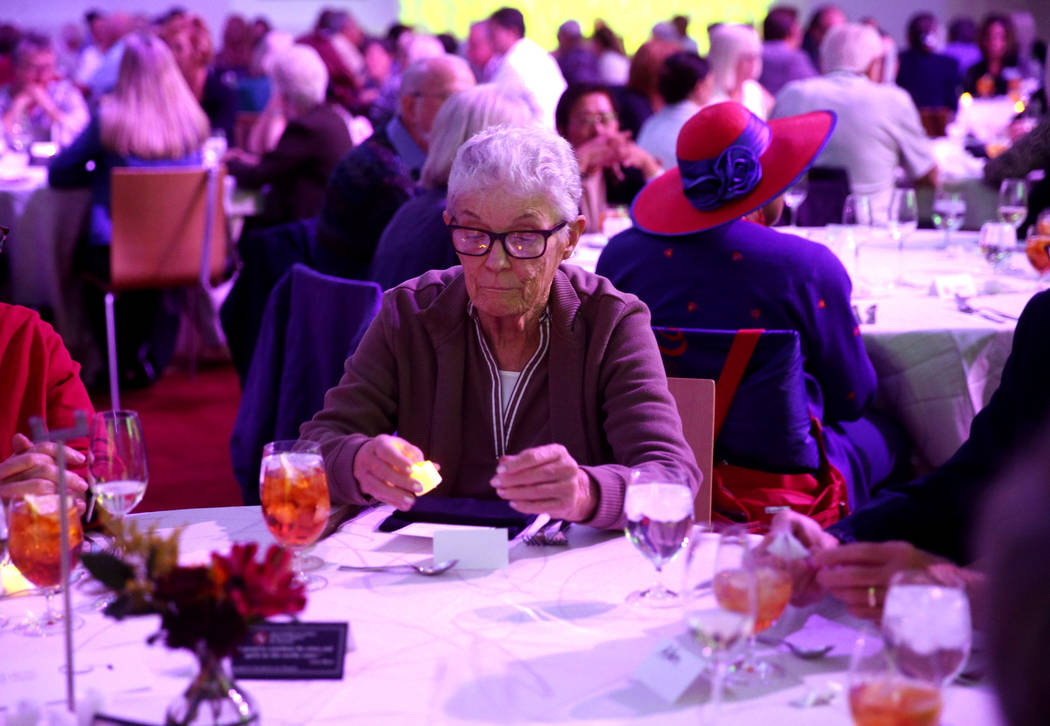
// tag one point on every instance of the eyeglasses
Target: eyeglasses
(521, 244)
(595, 119)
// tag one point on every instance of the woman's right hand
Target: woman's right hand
(383, 468)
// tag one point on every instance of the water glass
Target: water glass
(293, 488)
(1013, 201)
(926, 626)
(659, 509)
(856, 210)
(996, 241)
(949, 212)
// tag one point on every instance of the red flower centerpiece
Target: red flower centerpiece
(206, 609)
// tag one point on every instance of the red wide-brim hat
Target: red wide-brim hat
(727, 135)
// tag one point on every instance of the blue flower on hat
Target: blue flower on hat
(709, 184)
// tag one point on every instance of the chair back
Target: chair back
(169, 227)
(312, 324)
(828, 189)
(767, 426)
(695, 398)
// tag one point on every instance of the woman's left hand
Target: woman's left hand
(546, 479)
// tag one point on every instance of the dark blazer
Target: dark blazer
(297, 170)
(939, 512)
(932, 79)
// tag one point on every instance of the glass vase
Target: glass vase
(212, 698)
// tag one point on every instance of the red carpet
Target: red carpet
(187, 424)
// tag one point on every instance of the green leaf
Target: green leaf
(107, 569)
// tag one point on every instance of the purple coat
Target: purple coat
(420, 371)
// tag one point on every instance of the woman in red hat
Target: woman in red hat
(695, 258)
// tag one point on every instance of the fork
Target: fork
(963, 305)
(552, 534)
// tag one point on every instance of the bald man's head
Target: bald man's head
(424, 87)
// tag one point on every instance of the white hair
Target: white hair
(267, 49)
(850, 47)
(422, 46)
(466, 113)
(300, 76)
(728, 43)
(530, 161)
(429, 71)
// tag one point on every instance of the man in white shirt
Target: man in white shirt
(524, 62)
(878, 124)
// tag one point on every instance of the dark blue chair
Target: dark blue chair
(767, 426)
(311, 325)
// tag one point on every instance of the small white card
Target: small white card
(671, 668)
(475, 548)
(946, 287)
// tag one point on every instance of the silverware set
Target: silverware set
(962, 304)
(552, 534)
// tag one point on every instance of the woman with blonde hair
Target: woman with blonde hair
(150, 119)
(735, 58)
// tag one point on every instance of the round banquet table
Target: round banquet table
(549, 639)
(936, 366)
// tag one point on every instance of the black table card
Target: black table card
(292, 651)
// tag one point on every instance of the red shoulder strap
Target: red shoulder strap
(740, 353)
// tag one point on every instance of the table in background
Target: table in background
(549, 639)
(936, 366)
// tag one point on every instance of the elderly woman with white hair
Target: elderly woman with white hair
(525, 380)
(735, 58)
(417, 239)
(878, 124)
(314, 140)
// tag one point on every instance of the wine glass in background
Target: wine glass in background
(118, 468)
(1037, 245)
(880, 694)
(794, 196)
(35, 546)
(996, 240)
(926, 626)
(1013, 201)
(659, 509)
(949, 212)
(856, 210)
(719, 629)
(901, 222)
(293, 488)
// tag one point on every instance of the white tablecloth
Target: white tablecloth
(547, 640)
(936, 366)
(45, 225)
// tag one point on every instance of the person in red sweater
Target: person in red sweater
(37, 378)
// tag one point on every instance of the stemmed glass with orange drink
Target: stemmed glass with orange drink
(880, 694)
(1037, 246)
(772, 582)
(295, 504)
(34, 521)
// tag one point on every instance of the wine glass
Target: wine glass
(720, 619)
(949, 212)
(35, 547)
(1037, 245)
(772, 593)
(293, 488)
(926, 625)
(794, 196)
(901, 222)
(856, 210)
(1013, 201)
(118, 468)
(996, 241)
(659, 509)
(879, 693)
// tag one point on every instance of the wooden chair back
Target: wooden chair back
(161, 231)
(695, 398)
